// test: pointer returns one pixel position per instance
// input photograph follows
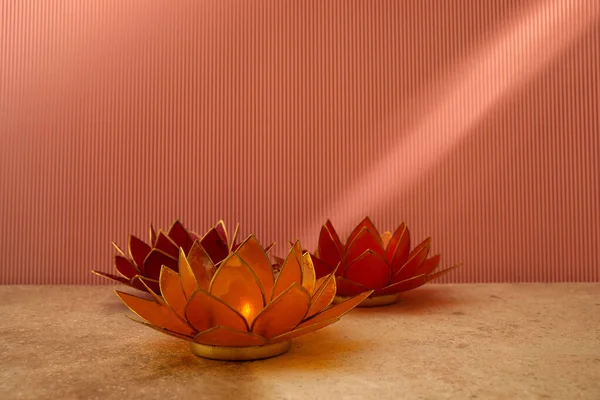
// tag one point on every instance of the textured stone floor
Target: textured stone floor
(442, 341)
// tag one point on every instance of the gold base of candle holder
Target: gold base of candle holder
(377, 301)
(250, 353)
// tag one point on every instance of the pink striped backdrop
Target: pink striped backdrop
(115, 114)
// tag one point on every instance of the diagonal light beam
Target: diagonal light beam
(514, 57)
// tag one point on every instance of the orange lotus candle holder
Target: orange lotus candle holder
(144, 260)
(242, 309)
(368, 260)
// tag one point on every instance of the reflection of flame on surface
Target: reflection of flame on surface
(491, 74)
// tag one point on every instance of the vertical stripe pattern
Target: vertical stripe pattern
(116, 114)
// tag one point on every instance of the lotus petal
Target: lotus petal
(116, 278)
(189, 283)
(283, 314)
(159, 299)
(429, 265)
(236, 284)
(119, 250)
(155, 313)
(234, 237)
(323, 296)
(214, 245)
(323, 280)
(297, 248)
(398, 254)
(125, 267)
(269, 247)
(347, 288)
(138, 251)
(304, 330)
(319, 284)
(195, 236)
(415, 259)
(365, 224)
(308, 273)
(370, 270)
(152, 236)
(321, 267)
(163, 330)
(166, 244)
(290, 273)
(204, 311)
(385, 239)
(201, 265)
(363, 241)
(172, 291)
(338, 310)
(334, 235)
(180, 236)
(329, 250)
(141, 283)
(222, 231)
(442, 272)
(399, 235)
(154, 262)
(253, 254)
(223, 336)
(406, 285)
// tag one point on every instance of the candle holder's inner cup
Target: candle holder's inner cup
(241, 353)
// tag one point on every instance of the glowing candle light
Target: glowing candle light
(247, 310)
(256, 320)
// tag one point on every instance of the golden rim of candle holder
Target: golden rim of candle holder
(225, 353)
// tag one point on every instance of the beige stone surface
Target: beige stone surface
(532, 341)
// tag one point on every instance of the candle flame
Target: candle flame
(246, 310)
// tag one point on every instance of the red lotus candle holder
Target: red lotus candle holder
(368, 260)
(144, 260)
(242, 309)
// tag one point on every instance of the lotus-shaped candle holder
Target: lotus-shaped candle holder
(368, 260)
(144, 260)
(242, 310)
